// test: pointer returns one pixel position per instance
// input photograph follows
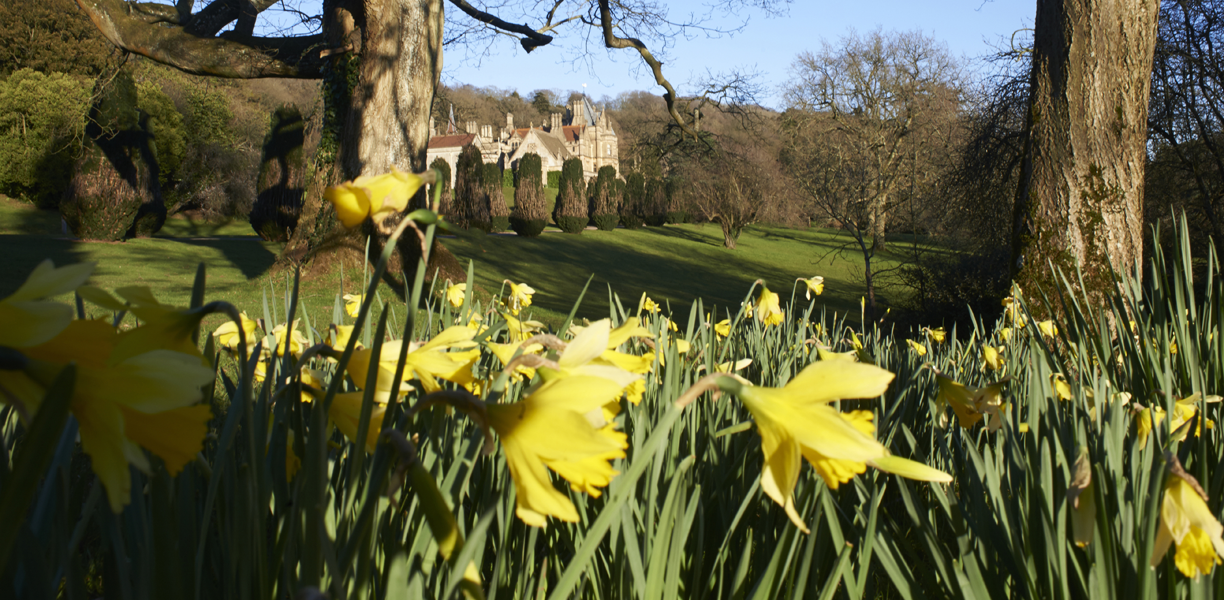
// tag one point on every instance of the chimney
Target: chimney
(510, 121)
(556, 123)
(431, 127)
(471, 126)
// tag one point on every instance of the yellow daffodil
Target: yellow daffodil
(648, 305)
(583, 356)
(768, 308)
(549, 429)
(27, 317)
(1013, 313)
(1187, 521)
(826, 354)
(1048, 328)
(340, 337)
(456, 293)
(860, 351)
(376, 197)
(671, 325)
(815, 286)
(345, 414)
(796, 422)
(1184, 409)
(937, 335)
(631, 328)
(520, 296)
(227, 335)
(1083, 503)
(518, 330)
(1005, 334)
(968, 403)
(918, 348)
(128, 395)
(505, 353)
(294, 341)
(992, 357)
(1062, 389)
(1173, 347)
(723, 328)
(428, 361)
(352, 304)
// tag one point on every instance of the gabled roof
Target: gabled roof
(547, 143)
(571, 133)
(451, 141)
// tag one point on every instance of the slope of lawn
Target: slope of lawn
(674, 264)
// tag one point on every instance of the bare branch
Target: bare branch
(531, 39)
(251, 57)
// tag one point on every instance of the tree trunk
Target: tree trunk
(877, 217)
(1080, 199)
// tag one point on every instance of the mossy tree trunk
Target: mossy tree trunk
(1080, 199)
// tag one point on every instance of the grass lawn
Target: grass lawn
(673, 264)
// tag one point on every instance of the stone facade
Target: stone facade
(582, 132)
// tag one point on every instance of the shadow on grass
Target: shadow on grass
(247, 255)
(557, 265)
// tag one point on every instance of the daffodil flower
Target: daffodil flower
(1187, 521)
(520, 296)
(1048, 328)
(796, 422)
(377, 196)
(456, 293)
(127, 396)
(631, 328)
(1083, 503)
(992, 357)
(815, 286)
(340, 337)
(548, 429)
(352, 304)
(936, 335)
(293, 342)
(970, 404)
(1184, 409)
(227, 335)
(917, 347)
(648, 305)
(505, 353)
(723, 328)
(1012, 311)
(428, 361)
(769, 308)
(1062, 389)
(520, 330)
(27, 317)
(583, 357)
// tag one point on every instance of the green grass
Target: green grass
(675, 264)
(238, 263)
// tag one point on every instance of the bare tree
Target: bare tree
(867, 130)
(1080, 198)
(878, 97)
(1186, 118)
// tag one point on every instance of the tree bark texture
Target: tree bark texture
(1080, 199)
(401, 59)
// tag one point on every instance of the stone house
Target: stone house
(582, 132)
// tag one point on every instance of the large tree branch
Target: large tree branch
(531, 39)
(656, 67)
(123, 26)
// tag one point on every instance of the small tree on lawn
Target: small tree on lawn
(282, 176)
(471, 203)
(530, 212)
(446, 205)
(631, 204)
(654, 203)
(604, 201)
(570, 212)
(499, 213)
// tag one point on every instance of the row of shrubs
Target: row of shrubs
(478, 201)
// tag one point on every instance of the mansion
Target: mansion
(582, 132)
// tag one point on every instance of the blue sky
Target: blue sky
(766, 45)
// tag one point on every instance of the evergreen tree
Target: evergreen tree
(570, 213)
(499, 213)
(530, 213)
(471, 202)
(282, 176)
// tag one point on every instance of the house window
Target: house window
(609, 150)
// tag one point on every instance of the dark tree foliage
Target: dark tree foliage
(530, 213)
(52, 36)
(570, 213)
(632, 201)
(603, 200)
(654, 203)
(282, 176)
(114, 192)
(471, 203)
(499, 213)
(446, 204)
